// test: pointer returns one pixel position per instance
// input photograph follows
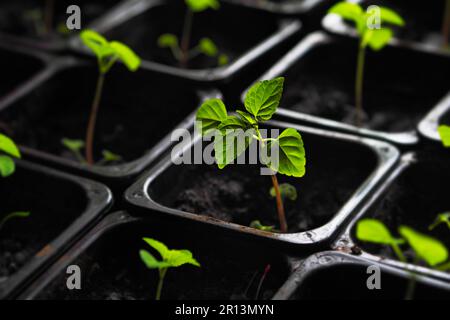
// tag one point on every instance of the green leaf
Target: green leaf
(232, 123)
(96, 42)
(390, 16)
(109, 156)
(128, 57)
(201, 5)
(19, 214)
(158, 246)
(257, 225)
(222, 59)
(181, 257)
(431, 250)
(287, 191)
(151, 262)
(443, 218)
(371, 230)
(207, 47)
(247, 118)
(8, 146)
(210, 115)
(352, 12)
(230, 144)
(444, 133)
(291, 154)
(73, 145)
(7, 166)
(168, 40)
(377, 39)
(263, 98)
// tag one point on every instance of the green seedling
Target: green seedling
(446, 25)
(234, 133)
(10, 150)
(257, 225)
(182, 52)
(170, 259)
(75, 147)
(443, 218)
(426, 249)
(14, 215)
(108, 53)
(444, 133)
(287, 191)
(374, 36)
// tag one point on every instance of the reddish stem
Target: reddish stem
(263, 277)
(186, 38)
(93, 119)
(280, 207)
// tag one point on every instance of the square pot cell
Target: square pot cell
(303, 8)
(245, 42)
(31, 18)
(400, 87)
(424, 23)
(109, 258)
(336, 276)
(60, 206)
(18, 68)
(413, 196)
(340, 173)
(137, 113)
(440, 115)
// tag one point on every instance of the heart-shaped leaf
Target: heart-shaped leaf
(210, 115)
(263, 98)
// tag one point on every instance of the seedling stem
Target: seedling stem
(93, 119)
(162, 274)
(186, 38)
(359, 84)
(49, 10)
(446, 25)
(280, 207)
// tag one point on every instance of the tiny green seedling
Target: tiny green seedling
(10, 150)
(443, 218)
(75, 147)
(257, 225)
(206, 46)
(108, 53)
(426, 249)
(444, 133)
(233, 134)
(14, 215)
(170, 259)
(376, 37)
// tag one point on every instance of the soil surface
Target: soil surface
(21, 238)
(239, 194)
(114, 271)
(415, 199)
(232, 39)
(322, 84)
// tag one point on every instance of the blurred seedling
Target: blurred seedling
(76, 147)
(170, 259)
(234, 133)
(373, 33)
(441, 219)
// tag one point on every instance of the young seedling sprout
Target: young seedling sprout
(7, 168)
(182, 53)
(234, 133)
(443, 218)
(374, 35)
(108, 53)
(426, 249)
(170, 259)
(75, 147)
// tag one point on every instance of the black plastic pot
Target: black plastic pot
(319, 87)
(257, 34)
(438, 116)
(422, 29)
(111, 268)
(334, 275)
(341, 170)
(62, 208)
(16, 28)
(413, 196)
(134, 125)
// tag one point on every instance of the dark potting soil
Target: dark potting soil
(113, 270)
(350, 282)
(233, 29)
(239, 194)
(322, 84)
(421, 24)
(43, 197)
(137, 110)
(26, 17)
(416, 197)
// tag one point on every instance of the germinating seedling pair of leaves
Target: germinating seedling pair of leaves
(7, 168)
(107, 53)
(182, 52)
(426, 248)
(234, 133)
(170, 259)
(374, 36)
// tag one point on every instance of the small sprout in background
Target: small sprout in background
(287, 191)
(14, 215)
(7, 165)
(206, 46)
(257, 225)
(443, 218)
(444, 133)
(170, 259)
(446, 25)
(108, 53)
(233, 134)
(426, 249)
(375, 38)
(75, 146)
